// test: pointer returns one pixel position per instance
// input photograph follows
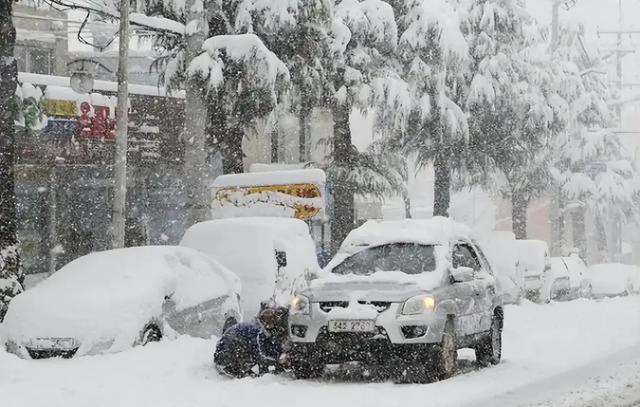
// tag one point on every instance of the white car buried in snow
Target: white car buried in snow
(401, 295)
(612, 280)
(109, 301)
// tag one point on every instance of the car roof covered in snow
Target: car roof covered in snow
(438, 230)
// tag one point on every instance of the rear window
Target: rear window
(409, 258)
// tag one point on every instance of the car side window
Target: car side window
(464, 256)
(486, 265)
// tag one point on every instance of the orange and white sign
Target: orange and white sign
(298, 194)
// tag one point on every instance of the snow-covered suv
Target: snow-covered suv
(401, 295)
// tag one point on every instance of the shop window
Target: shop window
(34, 60)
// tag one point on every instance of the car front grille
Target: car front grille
(380, 306)
(327, 306)
(51, 353)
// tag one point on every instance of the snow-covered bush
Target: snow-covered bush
(11, 277)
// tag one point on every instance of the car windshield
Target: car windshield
(410, 258)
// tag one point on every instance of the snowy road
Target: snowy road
(564, 354)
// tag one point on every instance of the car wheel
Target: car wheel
(489, 351)
(151, 334)
(445, 354)
(228, 324)
(306, 368)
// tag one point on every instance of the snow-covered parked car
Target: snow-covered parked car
(533, 262)
(270, 255)
(571, 273)
(109, 301)
(611, 280)
(403, 295)
(500, 249)
(556, 284)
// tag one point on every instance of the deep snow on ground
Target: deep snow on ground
(611, 383)
(540, 342)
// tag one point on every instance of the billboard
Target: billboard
(296, 194)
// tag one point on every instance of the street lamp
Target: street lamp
(83, 73)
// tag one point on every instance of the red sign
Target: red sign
(96, 124)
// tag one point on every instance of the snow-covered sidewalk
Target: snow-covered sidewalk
(540, 343)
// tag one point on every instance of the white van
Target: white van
(270, 255)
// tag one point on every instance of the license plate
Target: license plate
(53, 343)
(346, 325)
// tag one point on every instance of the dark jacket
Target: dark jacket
(244, 346)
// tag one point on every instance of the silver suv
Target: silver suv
(403, 296)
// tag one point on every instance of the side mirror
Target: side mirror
(281, 258)
(462, 274)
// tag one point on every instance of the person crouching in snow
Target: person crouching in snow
(247, 345)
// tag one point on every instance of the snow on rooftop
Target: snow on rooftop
(60, 93)
(99, 85)
(313, 176)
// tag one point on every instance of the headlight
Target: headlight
(300, 304)
(420, 304)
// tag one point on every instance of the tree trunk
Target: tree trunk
(519, 206)
(195, 125)
(233, 159)
(579, 232)
(303, 138)
(343, 219)
(407, 204)
(275, 138)
(10, 262)
(442, 181)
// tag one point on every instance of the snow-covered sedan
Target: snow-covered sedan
(533, 262)
(112, 300)
(400, 295)
(567, 279)
(612, 280)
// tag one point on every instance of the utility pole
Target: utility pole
(122, 122)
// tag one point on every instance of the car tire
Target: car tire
(489, 350)
(306, 370)
(150, 334)
(445, 354)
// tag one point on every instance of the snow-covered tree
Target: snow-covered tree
(297, 31)
(243, 79)
(432, 52)
(11, 274)
(363, 46)
(590, 166)
(515, 104)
